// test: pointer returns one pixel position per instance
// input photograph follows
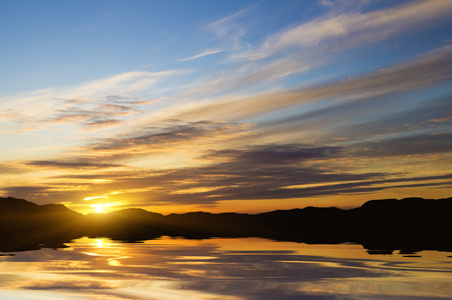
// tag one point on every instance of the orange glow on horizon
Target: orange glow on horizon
(344, 201)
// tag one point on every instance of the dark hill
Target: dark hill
(16, 205)
(24, 225)
(410, 224)
(129, 224)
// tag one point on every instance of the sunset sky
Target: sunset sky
(247, 106)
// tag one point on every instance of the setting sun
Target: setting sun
(98, 208)
(103, 207)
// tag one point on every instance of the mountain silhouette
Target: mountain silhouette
(25, 225)
(381, 226)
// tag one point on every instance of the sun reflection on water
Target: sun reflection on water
(100, 243)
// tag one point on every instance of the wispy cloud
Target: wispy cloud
(92, 102)
(229, 31)
(10, 169)
(55, 164)
(251, 173)
(351, 29)
(202, 54)
(428, 70)
(121, 84)
(314, 44)
(167, 138)
(414, 144)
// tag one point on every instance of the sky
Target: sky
(247, 106)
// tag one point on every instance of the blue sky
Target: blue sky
(224, 105)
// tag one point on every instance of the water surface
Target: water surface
(247, 268)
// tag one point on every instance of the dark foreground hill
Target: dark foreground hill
(381, 226)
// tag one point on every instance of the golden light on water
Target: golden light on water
(99, 243)
(165, 268)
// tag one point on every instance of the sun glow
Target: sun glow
(104, 207)
(98, 208)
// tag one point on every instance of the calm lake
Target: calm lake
(248, 268)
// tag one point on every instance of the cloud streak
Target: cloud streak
(202, 54)
(352, 28)
(92, 102)
(316, 43)
(429, 70)
(70, 164)
(258, 173)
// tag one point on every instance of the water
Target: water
(248, 268)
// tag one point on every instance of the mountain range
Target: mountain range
(381, 226)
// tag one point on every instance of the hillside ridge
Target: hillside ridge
(409, 224)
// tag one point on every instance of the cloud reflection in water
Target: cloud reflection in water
(220, 269)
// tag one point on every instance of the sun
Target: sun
(98, 208)
(103, 207)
